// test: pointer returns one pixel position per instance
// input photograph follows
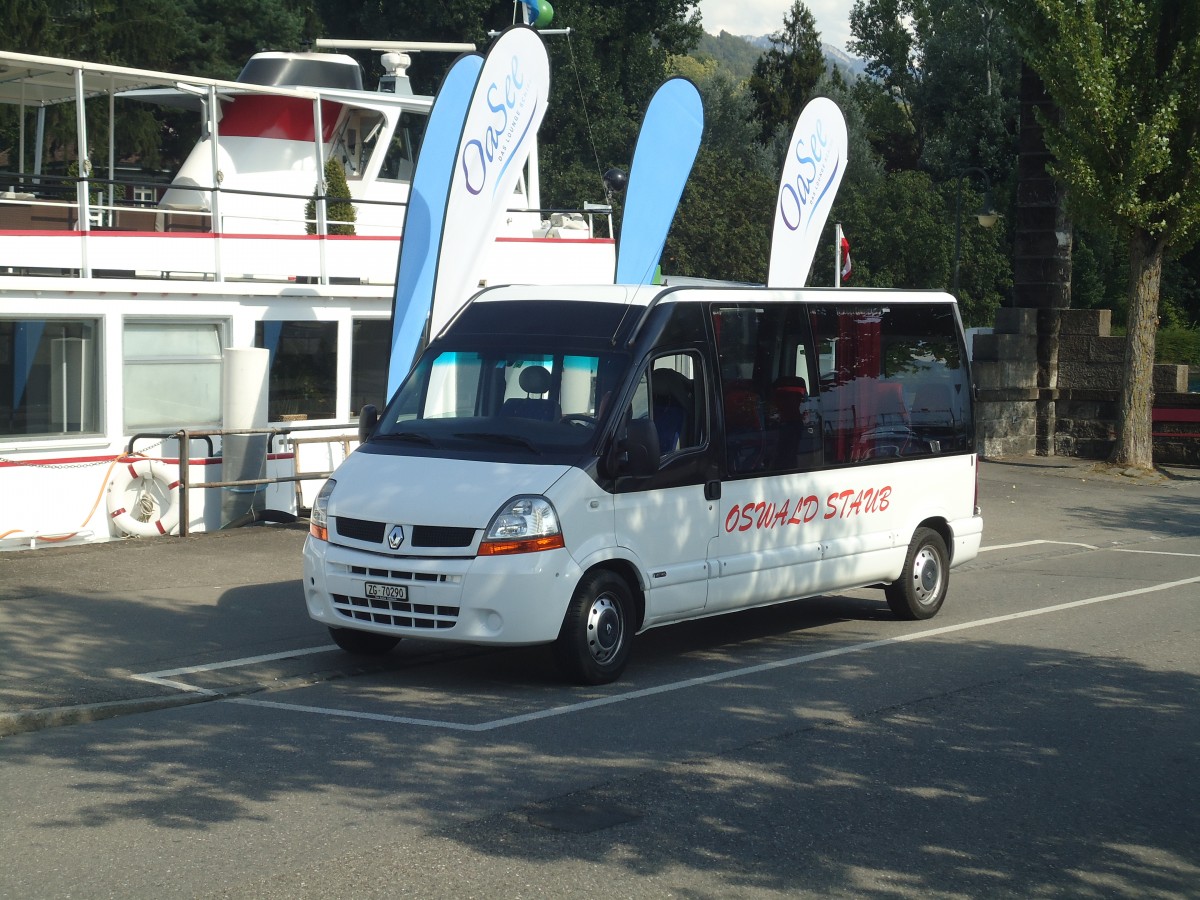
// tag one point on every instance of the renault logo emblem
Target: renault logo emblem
(396, 537)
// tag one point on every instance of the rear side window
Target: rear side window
(810, 385)
(892, 380)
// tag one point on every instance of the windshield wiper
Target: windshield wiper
(496, 437)
(413, 437)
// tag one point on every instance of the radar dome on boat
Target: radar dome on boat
(318, 70)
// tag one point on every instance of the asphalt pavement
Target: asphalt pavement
(94, 631)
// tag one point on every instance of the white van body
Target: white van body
(579, 464)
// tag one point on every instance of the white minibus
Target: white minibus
(578, 464)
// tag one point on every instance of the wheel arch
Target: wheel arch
(942, 526)
(627, 572)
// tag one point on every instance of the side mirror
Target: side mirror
(636, 452)
(368, 418)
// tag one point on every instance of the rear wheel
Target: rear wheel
(919, 591)
(597, 632)
(363, 643)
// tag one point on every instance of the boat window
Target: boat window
(357, 142)
(302, 383)
(49, 377)
(172, 373)
(402, 149)
(370, 349)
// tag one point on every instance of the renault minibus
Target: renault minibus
(575, 465)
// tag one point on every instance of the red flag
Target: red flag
(846, 267)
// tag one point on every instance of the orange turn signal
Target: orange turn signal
(525, 545)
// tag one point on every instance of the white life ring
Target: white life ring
(141, 498)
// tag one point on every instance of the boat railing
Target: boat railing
(184, 437)
(31, 205)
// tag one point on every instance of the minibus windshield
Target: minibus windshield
(485, 400)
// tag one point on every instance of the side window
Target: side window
(172, 373)
(357, 142)
(772, 423)
(370, 346)
(302, 381)
(49, 377)
(670, 393)
(676, 399)
(892, 382)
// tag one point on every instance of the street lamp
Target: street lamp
(987, 216)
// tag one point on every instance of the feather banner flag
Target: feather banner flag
(482, 126)
(814, 167)
(502, 122)
(422, 240)
(662, 160)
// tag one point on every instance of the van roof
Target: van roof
(648, 294)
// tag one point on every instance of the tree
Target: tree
(901, 232)
(1125, 75)
(943, 83)
(729, 124)
(787, 74)
(340, 214)
(603, 76)
(885, 39)
(723, 227)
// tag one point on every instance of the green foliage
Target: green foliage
(901, 232)
(729, 124)
(1178, 346)
(1125, 75)
(723, 226)
(735, 55)
(786, 75)
(943, 83)
(605, 73)
(339, 216)
(1125, 79)
(1100, 271)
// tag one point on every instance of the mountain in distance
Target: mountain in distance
(739, 53)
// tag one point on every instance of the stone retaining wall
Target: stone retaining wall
(1076, 400)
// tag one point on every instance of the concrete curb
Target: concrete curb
(52, 717)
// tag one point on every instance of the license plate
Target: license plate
(386, 591)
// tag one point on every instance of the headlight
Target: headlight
(318, 518)
(522, 525)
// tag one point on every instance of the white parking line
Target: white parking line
(164, 677)
(1156, 552)
(714, 678)
(1032, 543)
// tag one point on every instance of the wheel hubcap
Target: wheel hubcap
(605, 629)
(927, 576)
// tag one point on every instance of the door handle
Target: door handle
(712, 490)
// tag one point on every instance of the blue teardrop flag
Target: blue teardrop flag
(666, 149)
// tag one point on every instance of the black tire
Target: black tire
(597, 631)
(921, 588)
(363, 643)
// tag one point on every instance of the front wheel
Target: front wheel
(597, 632)
(919, 591)
(362, 643)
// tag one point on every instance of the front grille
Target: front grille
(397, 613)
(441, 536)
(359, 529)
(422, 535)
(403, 576)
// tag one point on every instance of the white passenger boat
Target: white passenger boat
(123, 303)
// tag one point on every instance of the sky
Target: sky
(755, 17)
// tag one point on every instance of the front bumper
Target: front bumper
(517, 599)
